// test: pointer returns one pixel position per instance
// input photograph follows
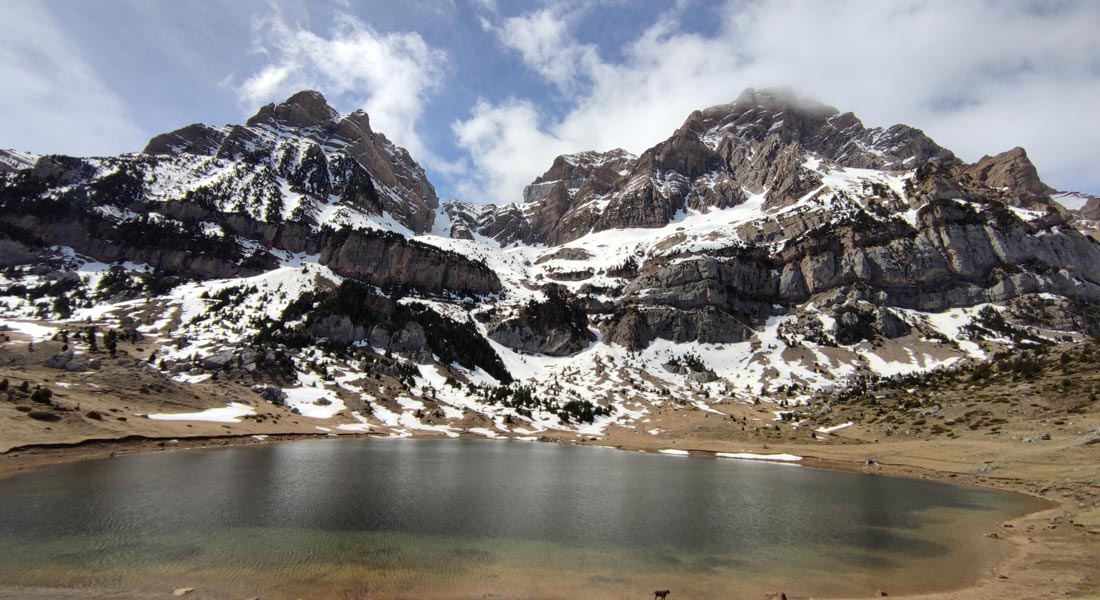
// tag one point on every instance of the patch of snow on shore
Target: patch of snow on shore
(765, 457)
(834, 428)
(228, 414)
(305, 400)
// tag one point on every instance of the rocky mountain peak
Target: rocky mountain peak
(815, 128)
(307, 142)
(355, 125)
(768, 145)
(1012, 171)
(576, 167)
(778, 99)
(307, 108)
(195, 138)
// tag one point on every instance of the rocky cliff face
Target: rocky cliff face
(952, 256)
(392, 261)
(319, 152)
(562, 203)
(1012, 172)
(565, 201)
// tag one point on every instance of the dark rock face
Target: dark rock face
(557, 327)
(556, 203)
(505, 224)
(1091, 209)
(389, 260)
(410, 340)
(637, 327)
(302, 110)
(564, 254)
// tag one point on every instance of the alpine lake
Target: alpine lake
(450, 519)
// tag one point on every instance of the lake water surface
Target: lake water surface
(482, 519)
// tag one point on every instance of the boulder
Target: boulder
(271, 393)
(59, 360)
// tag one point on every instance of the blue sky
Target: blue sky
(485, 93)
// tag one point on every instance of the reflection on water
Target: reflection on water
(455, 519)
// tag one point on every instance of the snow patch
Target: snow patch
(228, 414)
(765, 457)
(834, 428)
(306, 399)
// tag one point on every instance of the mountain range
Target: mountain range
(770, 249)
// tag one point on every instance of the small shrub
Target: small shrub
(41, 395)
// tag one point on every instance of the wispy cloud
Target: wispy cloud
(390, 75)
(979, 77)
(543, 40)
(502, 140)
(53, 100)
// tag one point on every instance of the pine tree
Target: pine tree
(110, 341)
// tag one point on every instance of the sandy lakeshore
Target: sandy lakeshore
(1053, 554)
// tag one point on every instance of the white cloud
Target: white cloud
(500, 138)
(543, 41)
(53, 101)
(978, 77)
(389, 75)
